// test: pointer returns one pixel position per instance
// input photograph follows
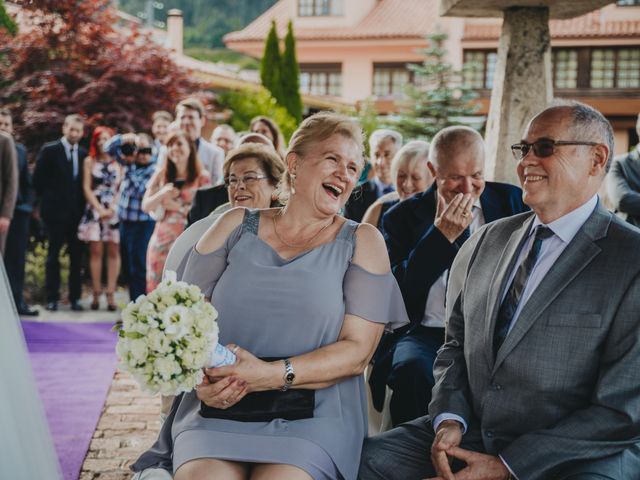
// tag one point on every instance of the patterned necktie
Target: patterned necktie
(514, 294)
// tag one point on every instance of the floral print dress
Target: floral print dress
(105, 181)
(171, 224)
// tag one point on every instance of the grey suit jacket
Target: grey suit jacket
(565, 385)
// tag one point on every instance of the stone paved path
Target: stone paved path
(129, 424)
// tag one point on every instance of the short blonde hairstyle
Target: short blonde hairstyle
(411, 153)
(317, 128)
(267, 157)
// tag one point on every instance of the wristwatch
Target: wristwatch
(289, 375)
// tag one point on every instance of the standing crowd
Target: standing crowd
(503, 322)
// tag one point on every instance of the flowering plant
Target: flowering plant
(168, 336)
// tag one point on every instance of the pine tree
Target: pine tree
(291, 77)
(271, 65)
(441, 98)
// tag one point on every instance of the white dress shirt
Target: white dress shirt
(72, 154)
(434, 311)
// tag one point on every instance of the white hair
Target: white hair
(384, 134)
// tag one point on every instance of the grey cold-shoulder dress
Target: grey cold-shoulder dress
(274, 307)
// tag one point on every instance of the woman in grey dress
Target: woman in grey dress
(300, 283)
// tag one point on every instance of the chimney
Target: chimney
(175, 27)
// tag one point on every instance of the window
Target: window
(615, 68)
(391, 79)
(628, 3)
(321, 79)
(319, 8)
(565, 68)
(481, 67)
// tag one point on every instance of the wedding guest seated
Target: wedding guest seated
(383, 146)
(251, 174)
(168, 199)
(208, 199)
(411, 175)
(423, 236)
(269, 128)
(302, 296)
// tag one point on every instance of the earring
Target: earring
(292, 177)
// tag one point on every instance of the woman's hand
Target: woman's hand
(222, 393)
(106, 213)
(257, 374)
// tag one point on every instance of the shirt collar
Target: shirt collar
(66, 144)
(568, 225)
(381, 186)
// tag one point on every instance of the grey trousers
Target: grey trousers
(404, 453)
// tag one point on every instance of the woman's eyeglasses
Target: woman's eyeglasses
(248, 179)
(545, 147)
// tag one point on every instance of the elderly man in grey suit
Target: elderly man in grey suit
(538, 378)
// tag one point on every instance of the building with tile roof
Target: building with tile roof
(352, 50)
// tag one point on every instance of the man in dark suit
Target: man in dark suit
(383, 145)
(58, 183)
(18, 236)
(538, 378)
(423, 235)
(206, 200)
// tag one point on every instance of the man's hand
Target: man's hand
(4, 224)
(479, 466)
(453, 218)
(449, 435)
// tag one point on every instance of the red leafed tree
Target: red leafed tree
(68, 58)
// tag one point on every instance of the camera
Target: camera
(128, 149)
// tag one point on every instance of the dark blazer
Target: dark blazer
(205, 201)
(24, 203)
(419, 253)
(361, 198)
(61, 197)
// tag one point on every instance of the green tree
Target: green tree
(271, 65)
(291, 76)
(441, 98)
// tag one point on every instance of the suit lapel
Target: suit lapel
(578, 254)
(498, 282)
(424, 213)
(492, 206)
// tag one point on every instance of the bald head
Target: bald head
(456, 161)
(450, 142)
(584, 123)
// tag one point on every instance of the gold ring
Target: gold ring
(465, 214)
(225, 402)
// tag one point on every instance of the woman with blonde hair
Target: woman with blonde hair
(303, 296)
(410, 175)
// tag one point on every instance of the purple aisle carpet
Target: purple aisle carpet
(73, 366)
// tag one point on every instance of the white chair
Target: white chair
(378, 421)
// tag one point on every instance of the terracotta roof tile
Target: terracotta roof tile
(388, 19)
(590, 25)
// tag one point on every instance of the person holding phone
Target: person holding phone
(168, 199)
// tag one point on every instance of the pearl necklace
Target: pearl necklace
(290, 245)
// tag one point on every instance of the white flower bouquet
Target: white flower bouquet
(167, 337)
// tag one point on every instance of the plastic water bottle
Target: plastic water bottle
(221, 356)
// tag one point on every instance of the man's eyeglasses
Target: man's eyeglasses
(248, 179)
(545, 147)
